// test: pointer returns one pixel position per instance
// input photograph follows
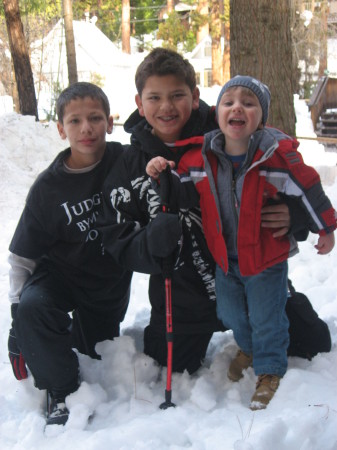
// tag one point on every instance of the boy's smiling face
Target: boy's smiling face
(85, 125)
(167, 103)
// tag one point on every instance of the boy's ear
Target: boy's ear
(61, 131)
(110, 124)
(139, 104)
(195, 97)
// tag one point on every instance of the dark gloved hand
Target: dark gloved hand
(15, 356)
(164, 233)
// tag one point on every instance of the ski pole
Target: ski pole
(168, 264)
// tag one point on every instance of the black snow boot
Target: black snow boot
(57, 412)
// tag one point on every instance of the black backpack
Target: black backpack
(308, 333)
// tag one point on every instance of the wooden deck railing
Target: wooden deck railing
(324, 97)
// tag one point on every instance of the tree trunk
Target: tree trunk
(216, 33)
(170, 6)
(70, 41)
(20, 57)
(261, 46)
(226, 54)
(204, 29)
(14, 91)
(323, 56)
(126, 26)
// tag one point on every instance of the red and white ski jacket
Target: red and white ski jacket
(231, 206)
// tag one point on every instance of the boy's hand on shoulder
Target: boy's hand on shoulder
(276, 216)
(325, 244)
(156, 165)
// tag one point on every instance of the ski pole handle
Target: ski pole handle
(165, 192)
(165, 188)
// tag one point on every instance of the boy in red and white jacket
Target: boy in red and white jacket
(241, 168)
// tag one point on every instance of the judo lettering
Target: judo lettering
(80, 211)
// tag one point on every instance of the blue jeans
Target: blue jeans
(254, 308)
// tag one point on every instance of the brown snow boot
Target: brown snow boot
(266, 387)
(240, 363)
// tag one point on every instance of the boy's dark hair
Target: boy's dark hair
(81, 90)
(161, 62)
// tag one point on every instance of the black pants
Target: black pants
(46, 332)
(189, 350)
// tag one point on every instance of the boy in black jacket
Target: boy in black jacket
(170, 120)
(57, 261)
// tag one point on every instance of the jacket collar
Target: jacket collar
(265, 141)
(201, 121)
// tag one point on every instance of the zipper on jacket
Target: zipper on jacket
(236, 200)
(236, 204)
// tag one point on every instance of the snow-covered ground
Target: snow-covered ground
(125, 389)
